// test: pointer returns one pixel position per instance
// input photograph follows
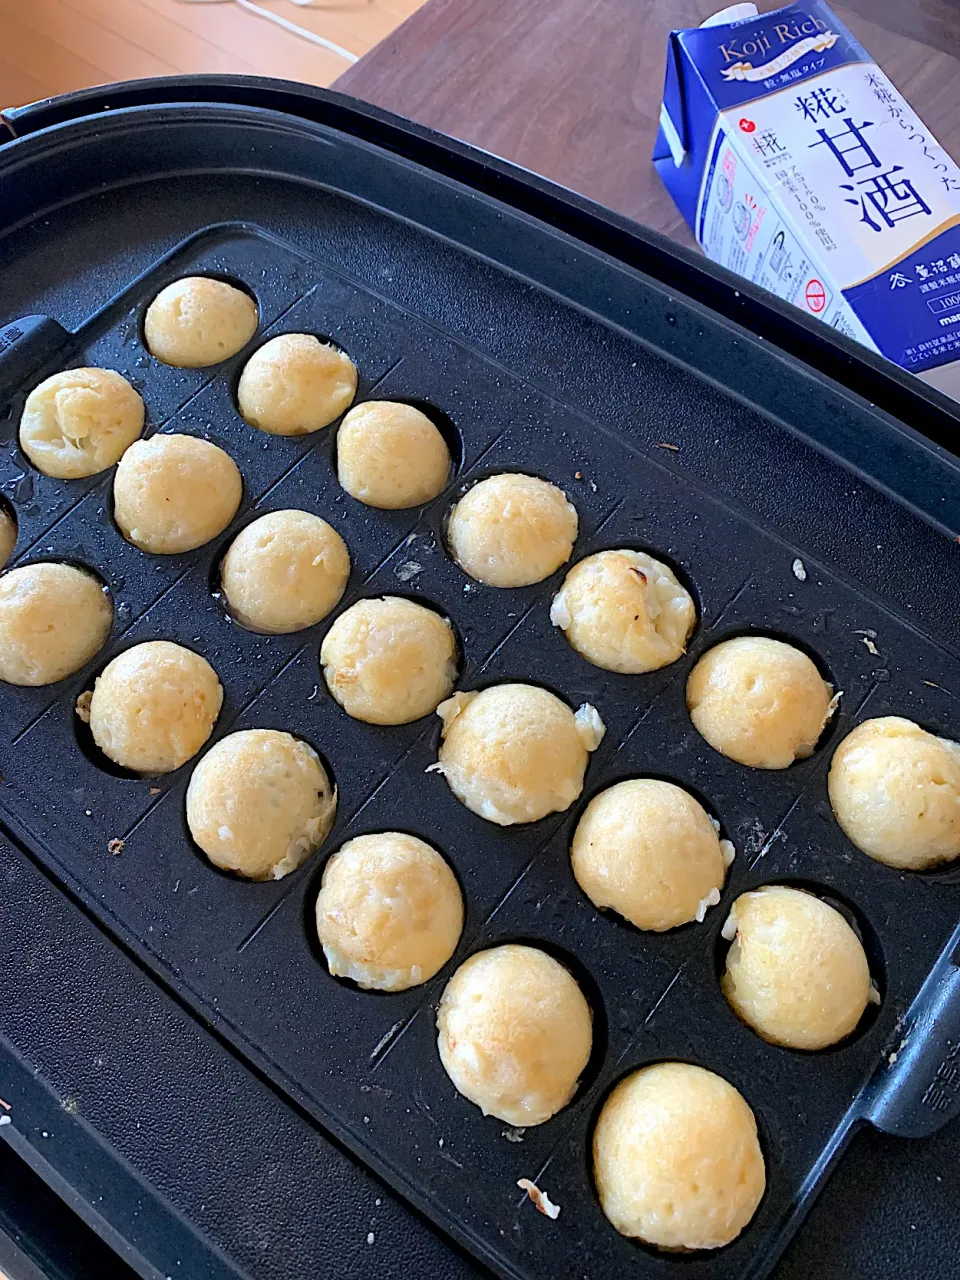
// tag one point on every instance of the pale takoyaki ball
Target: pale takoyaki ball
(80, 422)
(174, 493)
(895, 790)
(515, 1033)
(284, 572)
(295, 384)
(154, 706)
(796, 972)
(759, 701)
(389, 661)
(649, 851)
(53, 619)
(512, 530)
(260, 803)
(391, 455)
(676, 1158)
(8, 535)
(196, 322)
(514, 752)
(389, 913)
(624, 611)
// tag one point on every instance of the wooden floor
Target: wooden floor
(54, 46)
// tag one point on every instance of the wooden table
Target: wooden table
(571, 88)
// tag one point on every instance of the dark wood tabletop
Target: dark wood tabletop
(571, 88)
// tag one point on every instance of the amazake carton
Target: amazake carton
(798, 165)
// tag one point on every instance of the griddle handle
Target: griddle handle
(25, 346)
(919, 1090)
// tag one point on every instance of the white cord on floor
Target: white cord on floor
(297, 31)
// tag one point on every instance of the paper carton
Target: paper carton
(798, 165)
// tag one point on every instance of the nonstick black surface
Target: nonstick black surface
(591, 412)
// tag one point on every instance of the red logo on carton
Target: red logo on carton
(746, 125)
(816, 296)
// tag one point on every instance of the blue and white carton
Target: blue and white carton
(798, 165)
